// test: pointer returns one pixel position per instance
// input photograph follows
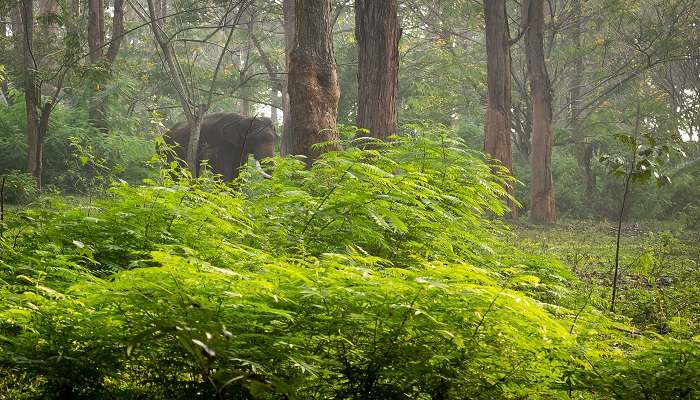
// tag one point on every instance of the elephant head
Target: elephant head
(226, 140)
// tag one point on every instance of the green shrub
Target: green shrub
(20, 187)
(379, 273)
(669, 369)
(122, 151)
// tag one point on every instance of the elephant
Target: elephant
(226, 140)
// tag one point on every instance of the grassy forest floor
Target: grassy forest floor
(659, 271)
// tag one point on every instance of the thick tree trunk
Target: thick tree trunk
(497, 139)
(377, 31)
(542, 184)
(289, 42)
(584, 148)
(313, 81)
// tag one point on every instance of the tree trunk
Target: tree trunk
(274, 112)
(96, 39)
(497, 140)
(377, 32)
(117, 32)
(4, 87)
(542, 185)
(32, 93)
(162, 10)
(313, 81)
(193, 143)
(193, 114)
(289, 42)
(247, 67)
(584, 148)
(96, 43)
(95, 29)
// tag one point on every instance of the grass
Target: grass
(659, 268)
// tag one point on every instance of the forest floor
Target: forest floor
(659, 266)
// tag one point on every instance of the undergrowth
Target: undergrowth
(379, 273)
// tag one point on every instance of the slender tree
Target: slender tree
(377, 32)
(4, 86)
(194, 104)
(313, 80)
(97, 55)
(497, 139)
(584, 148)
(289, 42)
(542, 184)
(34, 65)
(194, 110)
(32, 93)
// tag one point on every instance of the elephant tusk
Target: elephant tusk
(261, 170)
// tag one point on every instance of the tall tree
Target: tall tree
(36, 62)
(542, 184)
(584, 148)
(32, 93)
(288, 7)
(497, 139)
(96, 29)
(377, 31)
(313, 80)
(98, 58)
(4, 86)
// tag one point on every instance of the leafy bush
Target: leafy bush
(669, 369)
(376, 274)
(19, 187)
(123, 152)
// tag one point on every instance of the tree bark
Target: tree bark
(96, 39)
(497, 139)
(288, 8)
(542, 184)
(32, 93)
(313, 81)
(95, 29)
(377, 31)
(117, 33)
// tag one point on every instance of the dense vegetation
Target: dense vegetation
(390, 266)
(312, 285)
